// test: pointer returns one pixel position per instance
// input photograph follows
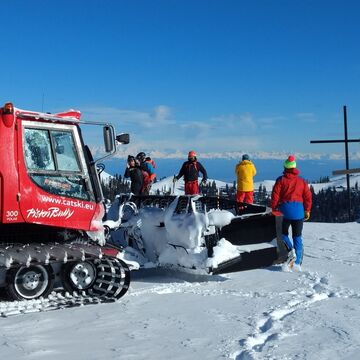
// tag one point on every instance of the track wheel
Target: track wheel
(26, 283)
(78, 275)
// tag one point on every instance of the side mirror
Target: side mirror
(123, 138)
(109, 138)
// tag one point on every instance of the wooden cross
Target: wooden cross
(347, 171)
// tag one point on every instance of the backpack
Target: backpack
(148, 177)
(195, 164)
(151, 176)
(151, 161)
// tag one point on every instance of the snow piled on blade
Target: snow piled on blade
(220, 218)
(223, 251)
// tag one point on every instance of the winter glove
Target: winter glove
(276, 212)
(203, 182)
(306, 215)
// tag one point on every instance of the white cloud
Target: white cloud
(162, 113)
(159, 115)
(242, 122)
(158, 131)
(271, 122)
(306, 117)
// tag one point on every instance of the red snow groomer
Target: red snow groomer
(51, 208)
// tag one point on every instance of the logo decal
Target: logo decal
(52, 212)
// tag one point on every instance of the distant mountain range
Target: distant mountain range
(123, 152)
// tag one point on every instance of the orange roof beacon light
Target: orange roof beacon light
(7, 114)
(8, 108)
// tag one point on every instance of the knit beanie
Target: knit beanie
(290, 162)
(246, 157)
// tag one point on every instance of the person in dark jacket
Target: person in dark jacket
(292, 197)
(148, 172)
(135, 174)
(190, 170)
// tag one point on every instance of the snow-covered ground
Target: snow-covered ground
(257, 314)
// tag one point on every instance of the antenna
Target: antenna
(42, 102)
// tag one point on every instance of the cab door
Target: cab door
(54, 183)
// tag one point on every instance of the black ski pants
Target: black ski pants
(296, 227)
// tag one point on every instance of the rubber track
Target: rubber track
(112, 283)
(113, 275)
(55, 301)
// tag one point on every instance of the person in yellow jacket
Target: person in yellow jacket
(245, 172)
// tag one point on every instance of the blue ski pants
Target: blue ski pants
(296, 228)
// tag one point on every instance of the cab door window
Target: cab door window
(65, 151)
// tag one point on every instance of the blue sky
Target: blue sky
(215, 76)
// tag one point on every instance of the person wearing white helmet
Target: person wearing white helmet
(190, 171)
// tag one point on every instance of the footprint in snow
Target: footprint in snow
(270, 327)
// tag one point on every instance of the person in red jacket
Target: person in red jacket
(190, 170)
(292, 197)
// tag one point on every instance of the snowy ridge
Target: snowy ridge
(336, 181)
(166, 184)
(179, 188)
(105, 177)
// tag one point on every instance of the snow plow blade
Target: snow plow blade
(256, 237)
(250, 230)
(247, 261)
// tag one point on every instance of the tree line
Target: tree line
(329, 205)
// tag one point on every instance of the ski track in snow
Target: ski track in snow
(196, 288)
(269, 329)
